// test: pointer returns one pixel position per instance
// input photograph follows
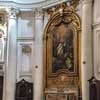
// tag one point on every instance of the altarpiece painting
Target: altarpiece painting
(63, 48)
(61, 55)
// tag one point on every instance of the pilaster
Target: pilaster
(11, 55)
(87, 47)
(38, 53)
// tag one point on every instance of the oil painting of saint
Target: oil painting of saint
(62, 48)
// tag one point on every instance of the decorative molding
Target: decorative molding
(65, 6)
(25, 74)
(96, 24)
(25, 38)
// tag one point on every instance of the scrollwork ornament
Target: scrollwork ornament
(63, 6)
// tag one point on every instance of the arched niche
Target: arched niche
(62, 50)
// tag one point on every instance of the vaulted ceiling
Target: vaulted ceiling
(25, 1)
(28, 1)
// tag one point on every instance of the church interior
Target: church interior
(49, 50)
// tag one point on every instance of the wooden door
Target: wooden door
(1, 87)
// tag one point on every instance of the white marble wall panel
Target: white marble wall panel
(25, 25)
(24, 61)
(97, 53)
(96, 11)
(26, 58)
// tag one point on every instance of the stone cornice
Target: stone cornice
(43, 4)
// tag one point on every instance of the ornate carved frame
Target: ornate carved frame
(57, 18)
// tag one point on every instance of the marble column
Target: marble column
(11, 55)
(38, 53)
(87, 47)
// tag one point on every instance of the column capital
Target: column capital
(87, 1)
(12, 13)
(38, 13)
